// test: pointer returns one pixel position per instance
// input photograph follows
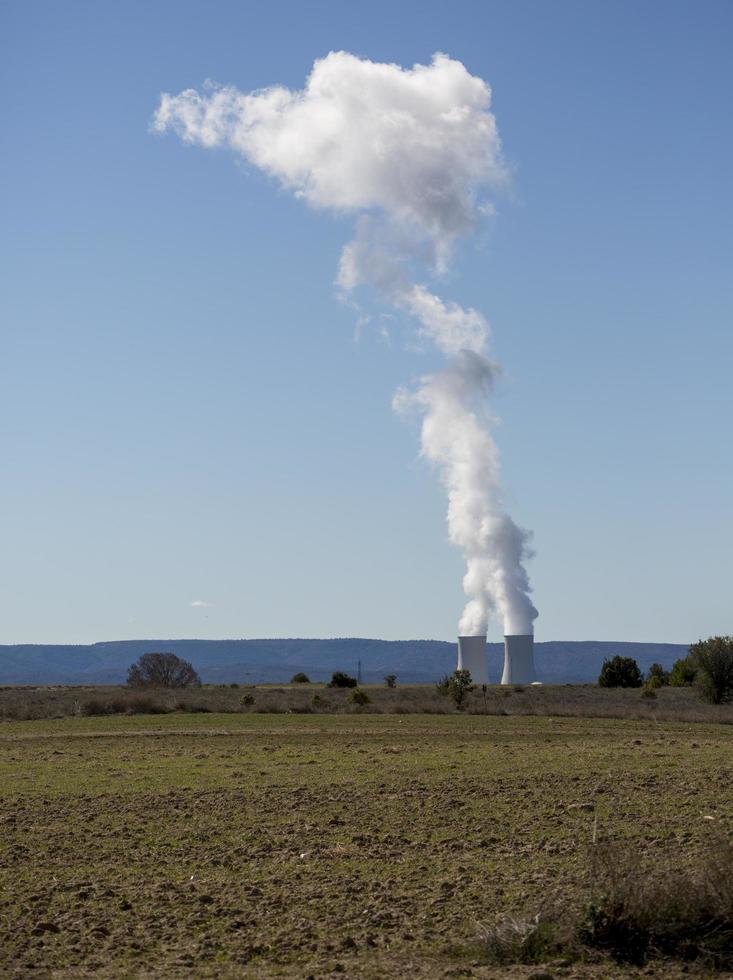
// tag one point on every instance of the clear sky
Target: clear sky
(186, 416)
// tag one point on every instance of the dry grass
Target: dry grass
(528, 939)
(633, 914)
(569, 701)
(636, 914)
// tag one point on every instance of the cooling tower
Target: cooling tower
(519, 660)
(472, 657)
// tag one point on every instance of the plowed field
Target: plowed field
(374, 846)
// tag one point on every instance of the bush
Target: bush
(657, 676)
(162, 670)
(247, 699)
(339, 679)
(300, 678)
(356, 696)
(97, 707)
(683, 672)
(620, 672)
(456, 686)
(531, 940)
(146, 706)
(121, 706)
(390, 680)
(633, 916)
(650, 690)
(714, 661)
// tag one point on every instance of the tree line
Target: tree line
(708, 667)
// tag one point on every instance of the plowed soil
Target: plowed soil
(248, 845)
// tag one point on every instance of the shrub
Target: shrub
(714, 661)
(300, 678)
(146, 706)
(649, 690)
(530, 940)
(357, 696)
(247, 699)
(390, 680)
(162, 670)
(633, 916)
(98, 707)
(339, 679)
(657, 676)
(683, 672)
(121, 706)
(620, 672)
(456, 686)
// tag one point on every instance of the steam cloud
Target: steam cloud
(412, 153)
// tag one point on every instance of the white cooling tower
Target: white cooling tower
(519, 660)
(472, 657)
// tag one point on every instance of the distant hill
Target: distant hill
(275, 661)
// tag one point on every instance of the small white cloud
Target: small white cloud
(200, 604)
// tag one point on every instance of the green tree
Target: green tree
(300, 678)
(340, 679)
(620, 672)
(714, 660)
(657, 676)
(456, 686)
(683, 672)
(390, 680)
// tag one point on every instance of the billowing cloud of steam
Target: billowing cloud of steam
(412, 153)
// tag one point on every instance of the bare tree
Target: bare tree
(162, 670)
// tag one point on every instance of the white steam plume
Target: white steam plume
(412, 153)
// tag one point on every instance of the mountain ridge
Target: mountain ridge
(270, 660)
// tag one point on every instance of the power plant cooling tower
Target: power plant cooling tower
(472, 657)
(519, 660)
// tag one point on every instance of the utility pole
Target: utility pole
(358, 672)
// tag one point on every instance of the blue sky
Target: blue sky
(185, 414)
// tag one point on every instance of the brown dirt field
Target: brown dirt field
(376, 847)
